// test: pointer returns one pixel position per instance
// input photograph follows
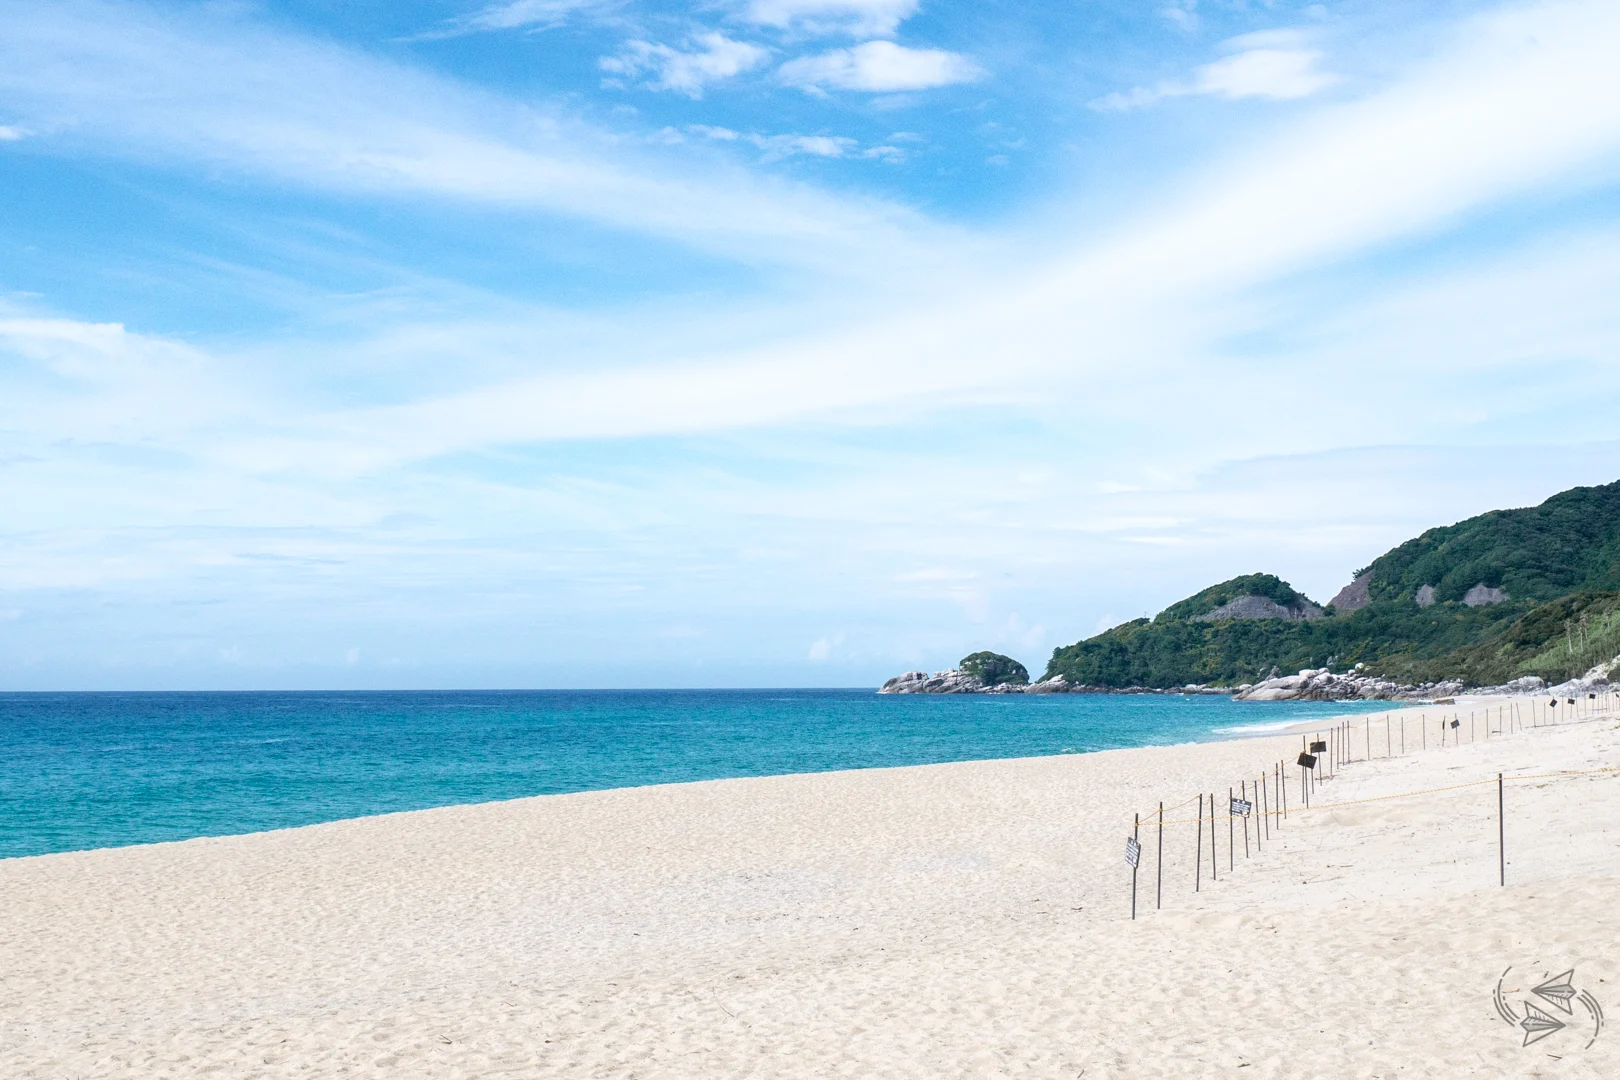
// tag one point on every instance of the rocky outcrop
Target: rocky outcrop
(1320, 684)
(1479, 594)
(1530, 684)
(1260, 607)
(1353, 597)
(941, 682)
(1484, 594)
(956, 681)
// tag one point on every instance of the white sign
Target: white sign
(1241, 806)
(1133, 852)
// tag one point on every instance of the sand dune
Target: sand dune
(939, 921)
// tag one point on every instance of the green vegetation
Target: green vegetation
(1558, 562)
(1269, 586)
(993, 669)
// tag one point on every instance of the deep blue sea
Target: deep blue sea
(89, 770)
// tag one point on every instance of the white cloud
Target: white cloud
(1182, 14)
(780, 146)
(822, 648)
(213, 93)
(860, 18)
(710, 131)
(1519, 100)
(828, 146)
(1265, 67)
(1280, 74)
(9, 134)
(524, 13)
(880, 66)
(716, 57)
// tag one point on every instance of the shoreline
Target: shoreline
(965, 918)
(1211, 736)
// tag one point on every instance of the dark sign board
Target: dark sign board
(1308, 760)
(1241, 806)
(1318, 746)
(1133, 852)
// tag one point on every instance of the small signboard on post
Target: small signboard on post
(1318, 746)
(1242, 807)
(1308, 760)
(1133, 852)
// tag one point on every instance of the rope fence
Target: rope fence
(1262, 802)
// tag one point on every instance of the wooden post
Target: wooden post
(1265, 804)
(1198, 864)
(1501, 833)
(1282, 786)
(1136, 834)
(1159, 903)
(1213, 866)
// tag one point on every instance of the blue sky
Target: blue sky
(767, 342)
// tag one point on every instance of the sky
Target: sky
(599, 343)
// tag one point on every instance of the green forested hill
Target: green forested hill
(1558, 563)
(1569, 542)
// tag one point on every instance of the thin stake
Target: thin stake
(1501, 833)
(1159, 902)
(1198, 864)
(1136, 834)
(1231, 834)
(1213, 866)
(1265, 804)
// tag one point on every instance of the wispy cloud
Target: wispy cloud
(1489, 119)
(709, 58)
(212, 93)
(861, 18)
(1273, 71)
(787, 145)
(528, 15)
(10, 134)
(882, 67)
(519, 14)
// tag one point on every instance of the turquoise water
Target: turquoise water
(107, 769)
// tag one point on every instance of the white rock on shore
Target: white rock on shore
(1320, 684)
(956, 681)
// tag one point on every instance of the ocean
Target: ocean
(92, 770)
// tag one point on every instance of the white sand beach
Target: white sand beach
(938, 921)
